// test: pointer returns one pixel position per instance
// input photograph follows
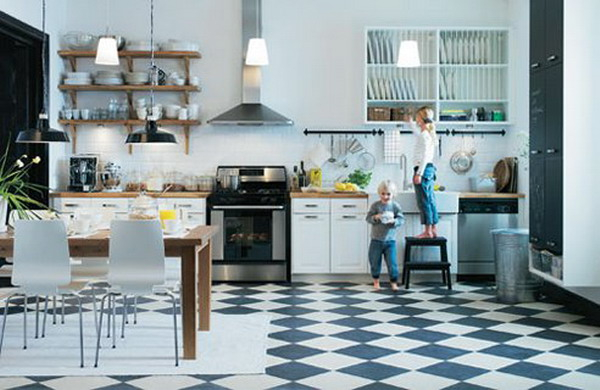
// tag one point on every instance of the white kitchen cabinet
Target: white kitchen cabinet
(329, 235)
(70, 206)
(349, 243)
(310, 243)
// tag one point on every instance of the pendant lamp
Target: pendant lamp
(42, 133)
(408, 57)
(151, 132)
(106, 52)
(257, 54)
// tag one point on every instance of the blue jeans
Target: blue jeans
(388, 250)
(426, 197)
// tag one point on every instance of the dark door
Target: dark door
(554, 31)
(554, 110)
(537, 113)
(536, 201)
(537, 49)
(553, 207)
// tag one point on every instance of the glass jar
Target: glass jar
(143, 207)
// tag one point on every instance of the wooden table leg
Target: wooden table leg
(188, 301)
(204, 285)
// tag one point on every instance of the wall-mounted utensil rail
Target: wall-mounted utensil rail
(344, 132)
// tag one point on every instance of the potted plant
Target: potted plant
(15, 186)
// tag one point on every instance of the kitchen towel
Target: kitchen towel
(391, 147)
(236, 344)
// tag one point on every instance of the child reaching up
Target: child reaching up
(386, 216)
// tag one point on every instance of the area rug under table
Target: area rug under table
(236, 344)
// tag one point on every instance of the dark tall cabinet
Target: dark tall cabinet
(546, 125)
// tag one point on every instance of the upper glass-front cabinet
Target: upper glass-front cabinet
(463, 75)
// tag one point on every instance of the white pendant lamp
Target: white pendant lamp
(257, 55)
(106, 52)
(257, 52)
(408, 57)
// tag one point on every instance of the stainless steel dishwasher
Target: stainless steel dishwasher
(476, 217)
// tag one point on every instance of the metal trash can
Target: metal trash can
(514, 283)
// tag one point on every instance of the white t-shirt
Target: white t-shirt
(424, 149)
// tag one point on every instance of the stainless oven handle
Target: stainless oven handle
(248, 207)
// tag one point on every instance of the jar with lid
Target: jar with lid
(190, 183)
(155, 182)
(143, 207)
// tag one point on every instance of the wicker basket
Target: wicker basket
(379, 114)
(398, 114)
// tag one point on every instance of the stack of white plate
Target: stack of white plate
(78, 78)
(136, 78)
(140, 46)
(108, 77)
(177, 45)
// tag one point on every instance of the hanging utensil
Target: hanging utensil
(332, 158)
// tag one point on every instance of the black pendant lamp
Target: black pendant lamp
(42, 133)
(151, 132)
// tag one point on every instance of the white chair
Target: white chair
(136, 267)
(41, 267)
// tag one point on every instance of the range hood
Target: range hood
(251, 112)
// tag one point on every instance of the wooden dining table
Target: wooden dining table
(194, 250)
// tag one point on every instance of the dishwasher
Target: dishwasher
(476, 217)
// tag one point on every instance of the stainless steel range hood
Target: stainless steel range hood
(251, 112)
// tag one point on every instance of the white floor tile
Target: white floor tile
(250, 382)
(485, 361)
(419, 381)
(455, 329)
(431, 306)
(440, 316)
(327, 343)
(498, 316)
(397, 343)
(325, 329)
(502, 381)
(539, 306)
(584, 330)
(335, 381)
(560, 361)
(319, 305)
(482, 305)
(557, 316)
(331, 361)
(578, 380)
(466, 343)
(381, 316)
(265, 306)
(515, 329)
(592, 342)
(388, 329)
(536, 343)
(11, 382)
(374, 305)
(79, 382)
(322, 316)
(408, 361)
(165, 382)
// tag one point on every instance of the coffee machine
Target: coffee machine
(83, 171)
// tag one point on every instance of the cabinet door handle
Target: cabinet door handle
(536, 151)
(535, 65)
(533, 239)
(71, 205)
(349, 206)
(183, 206)
(551, 151)
(311, 217)
(109, 205)
(349, 216)
(311, 205)
(551, 243)
(551, 58)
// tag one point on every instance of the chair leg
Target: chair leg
(175, 327)
(25, 322)
(114, 322)
(95, 307)
(80, 330)
(100, 328)
(443, 276)
(45, 315)
(4, 319)
(108, 318)
(135, 310)
(62, 312)
(37, 316)
(54, 310)
(124, 320)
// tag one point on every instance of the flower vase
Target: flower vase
(3, 214)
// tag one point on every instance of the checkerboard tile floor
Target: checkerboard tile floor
(343, 335)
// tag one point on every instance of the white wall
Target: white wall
(581, 140)
(30, 12)
(315, 77)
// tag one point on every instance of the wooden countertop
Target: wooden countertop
(127, 194)
(297, 194)
(490, 195)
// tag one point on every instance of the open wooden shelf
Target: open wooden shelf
(131, 122)
(133, 54)
(130, 88)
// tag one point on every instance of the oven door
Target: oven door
(249, 233)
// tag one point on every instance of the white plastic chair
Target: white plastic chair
(136, 267)
(41, 267)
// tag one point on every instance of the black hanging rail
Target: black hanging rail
(337, 132)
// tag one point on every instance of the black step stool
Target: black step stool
(409, 264)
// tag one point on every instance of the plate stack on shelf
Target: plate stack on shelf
(108, 77)
(177, 45)
(140, 46)
(78, 78)
(136, 78)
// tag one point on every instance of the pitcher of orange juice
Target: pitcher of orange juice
(167, 214)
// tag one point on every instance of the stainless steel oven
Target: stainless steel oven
(252, 244)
